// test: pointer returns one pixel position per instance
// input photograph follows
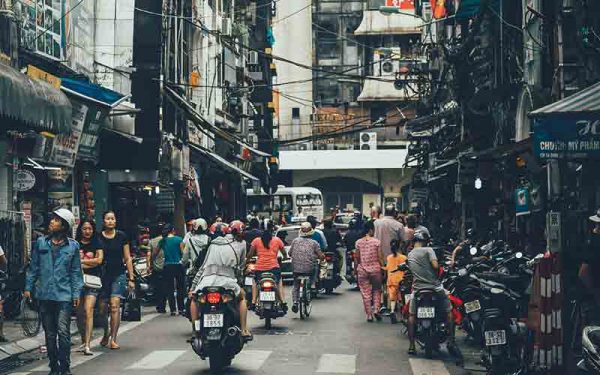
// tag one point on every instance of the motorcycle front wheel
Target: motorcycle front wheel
(217, 362)
(268, 323)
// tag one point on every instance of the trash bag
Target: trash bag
(132, 309)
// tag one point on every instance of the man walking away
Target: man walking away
(388, 228)
(304, 252)
(56, 266)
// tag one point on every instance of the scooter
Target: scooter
(249, 277)
(218, 335)
(268, 306)
(330, 277)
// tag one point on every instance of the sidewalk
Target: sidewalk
(18, 344)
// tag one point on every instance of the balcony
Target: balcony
(376, 23)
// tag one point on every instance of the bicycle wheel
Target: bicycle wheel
(30, 318)
(307, 304)
(301, 293)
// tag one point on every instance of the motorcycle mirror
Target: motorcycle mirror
(462, 272)
(519, 255)
(496, 290)
(473, 250)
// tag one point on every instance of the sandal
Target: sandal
(248, 336)
(412, 351)
(114, 346)
(105, 341)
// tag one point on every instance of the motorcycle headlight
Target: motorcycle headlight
(585, 338)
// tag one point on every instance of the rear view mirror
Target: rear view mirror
(473, 250)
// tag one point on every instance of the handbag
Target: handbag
(92, 281)
(132, 309)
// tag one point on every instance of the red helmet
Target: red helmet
(237, 226)
(219, 227)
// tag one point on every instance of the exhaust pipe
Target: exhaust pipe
(233, 331)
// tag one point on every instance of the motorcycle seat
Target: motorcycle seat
(491, 313)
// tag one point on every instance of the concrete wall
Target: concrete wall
(293, 40)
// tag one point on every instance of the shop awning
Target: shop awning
(222, 162)
(92, 92)
(33, 102)
(585, 101)
(200, 121)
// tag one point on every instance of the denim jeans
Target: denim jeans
(56, 319)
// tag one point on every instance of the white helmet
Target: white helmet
(199, 223)
(67, 216)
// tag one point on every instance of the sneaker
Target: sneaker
(295, 308)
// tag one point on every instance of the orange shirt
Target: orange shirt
(392, 264)
(267, 257)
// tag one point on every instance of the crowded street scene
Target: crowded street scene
(300, 187)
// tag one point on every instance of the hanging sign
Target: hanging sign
(24, 181)
(522, 201)
(65, 146)
(567, 137)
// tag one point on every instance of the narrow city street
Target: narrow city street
(336, 339)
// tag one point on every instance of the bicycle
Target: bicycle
(26, 312)
(304, 293)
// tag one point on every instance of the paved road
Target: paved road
(335, 340)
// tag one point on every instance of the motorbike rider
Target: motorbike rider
(195, 246)
(220, 267)
(304, 252)
(333, 238)
(423, 265)
(318, 235)
(237, 228)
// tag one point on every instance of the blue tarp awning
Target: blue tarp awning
(92, 92)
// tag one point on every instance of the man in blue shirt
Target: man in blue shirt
(55, 272)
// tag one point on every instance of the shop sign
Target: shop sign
(25, 180)
(91, 131)
(41, 75)
(26, 209)
(570, 137)
(522, 201)
(65, 146)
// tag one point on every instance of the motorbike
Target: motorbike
(350, 277)
(218, 335)
(329, 276)
(249, 277)
(144, 289)
(590, 341)
(268, 307)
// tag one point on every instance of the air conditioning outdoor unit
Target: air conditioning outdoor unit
(226, 27)
(386, 62)
(368, 141)
(253, 58)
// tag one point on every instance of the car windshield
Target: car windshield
(288, 235)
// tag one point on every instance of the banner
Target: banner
(65, 146)
(571, 137)
(522, 201)
(91, 131)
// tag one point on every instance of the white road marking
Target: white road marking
(19, 373)
(78, 358)
(157, 360)
(337, 364)
(250, 360)
(427, 367)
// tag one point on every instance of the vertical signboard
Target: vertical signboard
(65, 146)
(26, 209)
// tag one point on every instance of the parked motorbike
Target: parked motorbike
(330, 277)
(590, 341)
(218, 333)
(268, 307)
(144, 289)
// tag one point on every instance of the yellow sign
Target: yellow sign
(37, 73)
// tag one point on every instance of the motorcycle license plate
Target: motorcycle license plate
(213, 320)
(493, 338)
(472, 306)
(248, 281)
(426, 312)
(330, 266)
(267, 296)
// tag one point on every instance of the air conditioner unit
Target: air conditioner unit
(368, 141)
(386, 62)
(226, 27)
(253, 58)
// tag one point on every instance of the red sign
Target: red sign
(402, 4)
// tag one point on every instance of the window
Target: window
(295, 112)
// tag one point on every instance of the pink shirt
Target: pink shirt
(368, 249)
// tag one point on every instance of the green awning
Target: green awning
(33, 102)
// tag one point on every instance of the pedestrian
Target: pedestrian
(369, 260)
(3, 264)
(194, 249)
(174, 273)
(92, 257)
(266, 248)
(304, 252)
(55, 272)
(117, 278)
(394, 277)
(158, 265)
(388, 228)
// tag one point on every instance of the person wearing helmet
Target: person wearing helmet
(195, 246)
(55, 272)
(236, 229)
(423, 265)
(223, 261)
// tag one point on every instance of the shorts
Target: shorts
(90, 292)
(114, 287)
(275, 271)
(392, 292)
(444, 304)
